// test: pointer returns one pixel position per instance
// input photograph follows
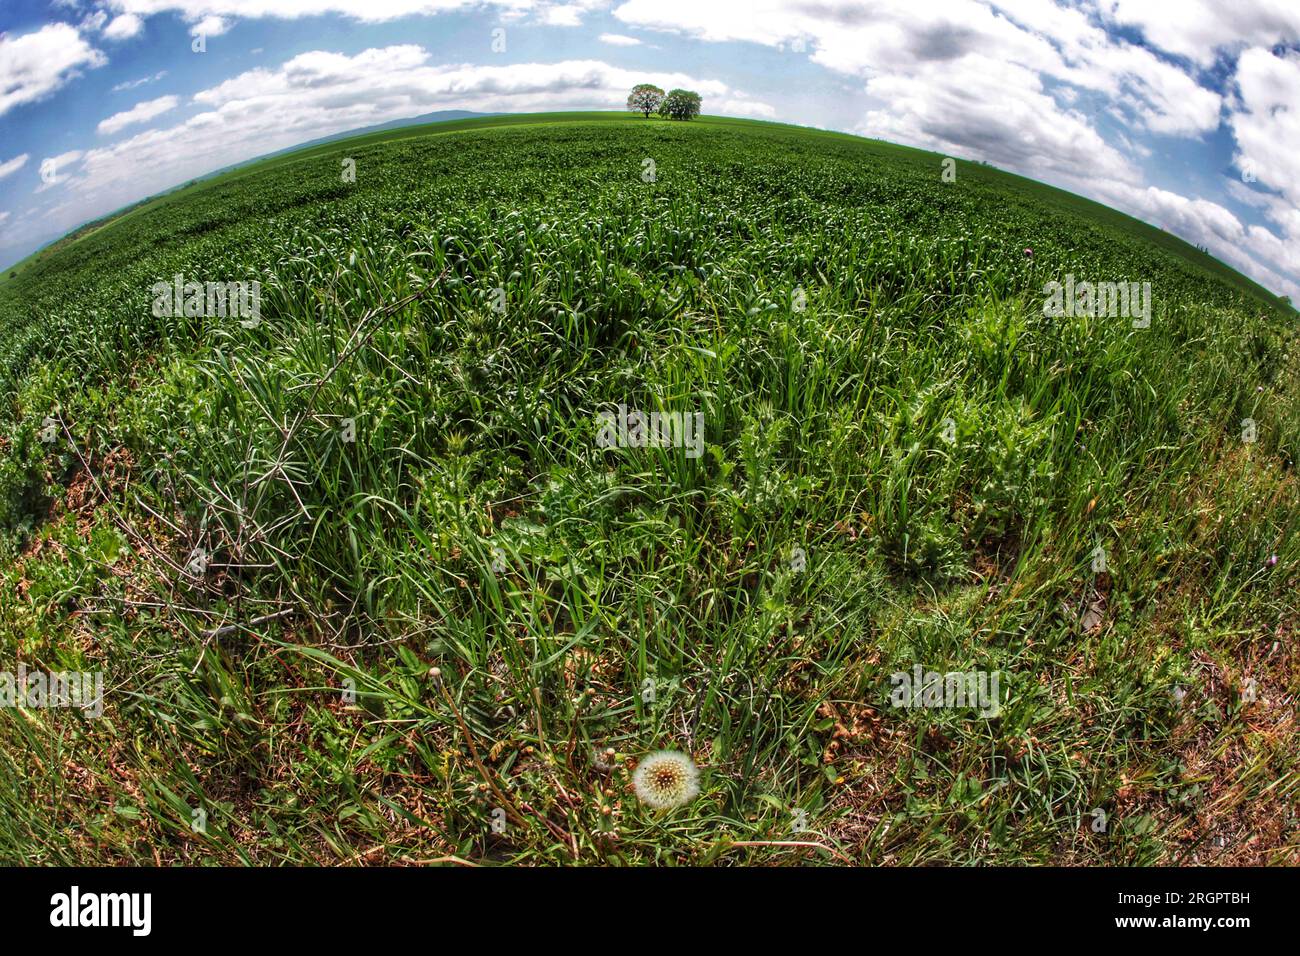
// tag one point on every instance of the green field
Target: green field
(268, 535)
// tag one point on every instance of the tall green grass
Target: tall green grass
(575, 600)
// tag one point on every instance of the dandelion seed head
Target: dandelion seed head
(666, 779)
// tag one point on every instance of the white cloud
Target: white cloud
(140, 113)
(35, 65)
(1252, 250)
(566, 13)
(3, 217)
(740, 106)
(94, 21)
(563, 15)
(1245, 195)
(902, 39)
(52, 166)
(996, 111)
(618, 39)
(1201, 29)
(124, 27)
(13, 165)
(1267, 124)
(961, 77)
(1266, 127)
(210, 27)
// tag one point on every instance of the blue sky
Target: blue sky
(1186, 115)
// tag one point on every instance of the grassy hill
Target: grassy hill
(366, 586)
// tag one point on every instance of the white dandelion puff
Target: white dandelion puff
(666, 779)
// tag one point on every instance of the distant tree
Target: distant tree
(645, 98)
(681, 105)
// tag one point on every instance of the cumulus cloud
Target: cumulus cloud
(1202, 30)
(140, 113)
(1250, 249)
(35, 65)
(900, 40)
(322, 88)
(1267, 125)
(995, 111)
(124, 27)
(1266, 128)
(618, 39)
(210, 27)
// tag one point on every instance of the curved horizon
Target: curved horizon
(1192, 127)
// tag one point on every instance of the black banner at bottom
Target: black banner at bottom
(336, 906)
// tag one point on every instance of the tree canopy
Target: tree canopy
(645, 98)
(681, 105)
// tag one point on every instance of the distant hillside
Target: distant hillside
(441, 116)
(93, 225)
